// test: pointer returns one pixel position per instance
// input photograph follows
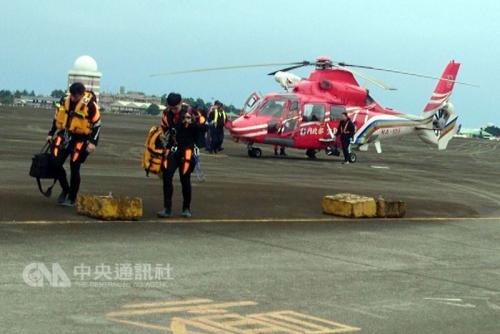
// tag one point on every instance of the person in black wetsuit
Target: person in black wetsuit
(181, 129)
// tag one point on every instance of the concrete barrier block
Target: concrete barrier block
(349, 205)
(109, 207)
(390, 208)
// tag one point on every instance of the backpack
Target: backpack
(153, 156)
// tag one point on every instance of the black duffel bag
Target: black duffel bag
(42, 167)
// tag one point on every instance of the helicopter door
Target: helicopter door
(251, 103)
(313, 112)
(291, 119)
(312, 127)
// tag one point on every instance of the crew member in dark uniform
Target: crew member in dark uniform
(181, 128)
(217, 119)
(346, 130)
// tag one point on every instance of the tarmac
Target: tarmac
(258, 255)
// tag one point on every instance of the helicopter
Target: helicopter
(306, 114)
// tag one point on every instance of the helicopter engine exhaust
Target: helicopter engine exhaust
(286, 80)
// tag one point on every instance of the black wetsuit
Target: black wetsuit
(67, 143)
(180, 145)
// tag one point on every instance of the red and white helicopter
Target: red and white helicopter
(306, 115)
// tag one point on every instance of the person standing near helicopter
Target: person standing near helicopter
(346, 132)
(217, 118)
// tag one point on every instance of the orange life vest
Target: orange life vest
(153, 157)
(78, 120)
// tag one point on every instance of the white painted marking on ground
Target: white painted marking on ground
(358, 310)
(493, 306)
(379, 167)
(461, 305)
(452, 301)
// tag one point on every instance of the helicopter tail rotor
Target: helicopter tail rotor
(440, 127)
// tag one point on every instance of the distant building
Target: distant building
(475, 133)
(46, 102)
(127, 102)
(130, 107)
(85, 71)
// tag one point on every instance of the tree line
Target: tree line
(7, 96)
(198, 102)
(493, 130)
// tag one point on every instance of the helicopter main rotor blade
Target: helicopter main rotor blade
(376, 82)
(297, 65)
(222, 68)
(342, 64)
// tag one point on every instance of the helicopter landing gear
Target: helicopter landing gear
(311, 154)
(353, 157)
(254, 152)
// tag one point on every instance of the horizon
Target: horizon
(131, 40)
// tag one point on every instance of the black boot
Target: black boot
(62, 197)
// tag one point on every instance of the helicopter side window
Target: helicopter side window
(273, 108)
(290, 120)
(336, 112)
(313, 112)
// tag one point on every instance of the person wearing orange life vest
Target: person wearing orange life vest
(346, 132)
(181, 128)
(75, 134)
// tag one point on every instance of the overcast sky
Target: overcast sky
(131, 39)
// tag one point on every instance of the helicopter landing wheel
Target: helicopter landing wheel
(311, 154)
(254, 152)
(353, 157)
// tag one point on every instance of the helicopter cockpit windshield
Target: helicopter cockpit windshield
(273, 108)
(282, 115)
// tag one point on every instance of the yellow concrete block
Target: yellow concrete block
(109, 207)
(390, 208)
(349, 205)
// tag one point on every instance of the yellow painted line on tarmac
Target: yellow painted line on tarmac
(167, 303)
(141, 324)
(20, 140)
(184, 308)
(250, 220)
